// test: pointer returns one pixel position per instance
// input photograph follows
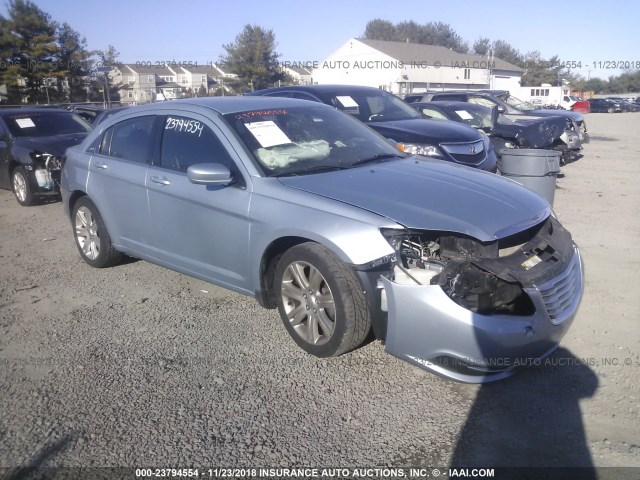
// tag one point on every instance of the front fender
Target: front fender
(351, 233)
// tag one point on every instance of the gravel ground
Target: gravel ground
(141, 366)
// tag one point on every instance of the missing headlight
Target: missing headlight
(481, 291)
(452, 262)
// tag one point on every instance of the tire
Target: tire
(92, 237)
(320, 301)
(21, 187)
(610, 110)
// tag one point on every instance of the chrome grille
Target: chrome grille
(562, 294)
(471, 153)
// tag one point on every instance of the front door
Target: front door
(202, 230)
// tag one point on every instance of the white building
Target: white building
(545, 94)
(403, 68)
(301, 75)
(142, 83)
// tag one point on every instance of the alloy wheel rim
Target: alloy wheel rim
(20, 186)
(308, 303)
(87, 233)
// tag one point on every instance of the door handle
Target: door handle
(160, 180)
(100, 165)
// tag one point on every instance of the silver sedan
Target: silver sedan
(459, 272)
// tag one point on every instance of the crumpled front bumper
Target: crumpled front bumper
(429, 330)
(572, 139)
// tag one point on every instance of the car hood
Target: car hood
(538, 133)
(418, 130)
(432, 195)
(55, 145)
(578, 117)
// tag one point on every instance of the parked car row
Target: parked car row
(613, 105)
(345, 229)
(547, 133)
(514, 124)
(398, 122)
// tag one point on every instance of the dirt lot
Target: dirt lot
(140, 366)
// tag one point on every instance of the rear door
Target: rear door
(202, 230)
(117, 175)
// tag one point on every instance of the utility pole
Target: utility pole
(46, 89)
(106, 89)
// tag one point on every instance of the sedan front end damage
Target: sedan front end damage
(477, 311)
(46, 169)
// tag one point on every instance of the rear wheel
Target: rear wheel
(320, 301)
(92, 237)
(21, 188)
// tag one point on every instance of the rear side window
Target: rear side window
(451, 97)
(412, 98)
(187, 142)
(303, 96)
(431, 113)
(279, 94)
(485, 102)
(131, 139)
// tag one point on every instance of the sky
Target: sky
(593, 32)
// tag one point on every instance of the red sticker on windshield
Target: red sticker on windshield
(259, 113)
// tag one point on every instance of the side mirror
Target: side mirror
(501, 109)
(209, 174)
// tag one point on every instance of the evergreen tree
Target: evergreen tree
(253, 57)
(28, 50)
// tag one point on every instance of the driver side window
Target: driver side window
(187, 142)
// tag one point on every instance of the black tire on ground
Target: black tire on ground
(320, 301)
(21, 187)
(91, 236)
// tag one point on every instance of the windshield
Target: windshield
(473, 115)
(519, 104)
(374, 106)
(45, 124)
(308, 139)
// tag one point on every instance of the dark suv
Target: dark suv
(507, 105)
(397, 121)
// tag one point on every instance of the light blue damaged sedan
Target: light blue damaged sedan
(457, 271)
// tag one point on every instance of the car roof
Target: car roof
(322, 89)
(11, 111)
(448, 104)
(86, 108)
(225, 105)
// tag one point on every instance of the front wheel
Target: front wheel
(92, 238)
(21, 187)
(320, 301)
(610, 110)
